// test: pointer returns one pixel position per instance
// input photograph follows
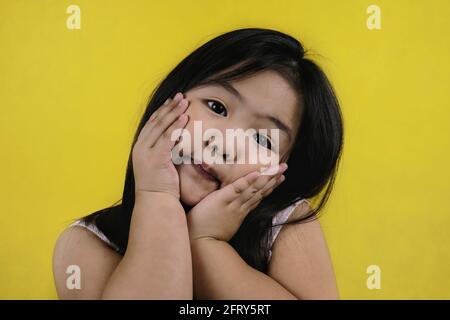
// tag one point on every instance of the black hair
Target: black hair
(316, 151)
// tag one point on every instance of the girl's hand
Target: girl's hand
(153, 168)
(220, 214)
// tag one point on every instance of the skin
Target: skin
(191, 249)
(266, 94)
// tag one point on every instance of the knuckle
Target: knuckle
(153, 117)
(237, 189)
(156, 124)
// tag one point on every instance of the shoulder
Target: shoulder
(77, 247)
(301, 260)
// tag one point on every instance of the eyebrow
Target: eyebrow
(229, 87)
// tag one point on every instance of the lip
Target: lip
(205, 171)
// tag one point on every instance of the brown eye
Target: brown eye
(217, 107)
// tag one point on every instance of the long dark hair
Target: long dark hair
(316, 152)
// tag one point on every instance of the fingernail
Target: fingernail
(270, 170)
(167, 101)
(178, 97)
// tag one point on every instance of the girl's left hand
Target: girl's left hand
(220, 214)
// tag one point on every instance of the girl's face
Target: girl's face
(264, 97)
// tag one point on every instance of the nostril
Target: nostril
(214, 150)
(227, 157)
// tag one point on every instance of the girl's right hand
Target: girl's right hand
(153, 168)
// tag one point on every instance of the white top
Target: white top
(93, 228)
(280, 217)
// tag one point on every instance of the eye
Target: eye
(264, 140)
(217, 107)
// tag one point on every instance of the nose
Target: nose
(217, 149)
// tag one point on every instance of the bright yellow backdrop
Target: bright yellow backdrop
(71, 100)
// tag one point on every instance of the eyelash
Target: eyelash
(269, 143)
(207, 103)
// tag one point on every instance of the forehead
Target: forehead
(269, 93)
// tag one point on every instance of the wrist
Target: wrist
(144, 194)
(207, 243)
(158, 202)
(202, 239)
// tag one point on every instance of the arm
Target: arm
(301, 261)
(156, 265)
(220, 273)
(79, 246)
(300, 267)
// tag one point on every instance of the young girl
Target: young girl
(219, 231)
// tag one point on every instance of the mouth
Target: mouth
(206, 172)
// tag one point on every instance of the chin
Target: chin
(189, 199)
(189, 192)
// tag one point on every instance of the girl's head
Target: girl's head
(279, 88)
(264, 100)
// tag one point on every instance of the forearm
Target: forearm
(220, 273)
(157, 263)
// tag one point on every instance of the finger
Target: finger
(260, 183)
(269, 185)
(233, 190)
(158, 111)
(163, 109)
(167, 107)
(266, 190)
(164, 122)
(254, 191)
(255, 201)
(272, 186)
(170, 136)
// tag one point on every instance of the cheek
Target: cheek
(195, 116)
(192, 187)
(189, 192)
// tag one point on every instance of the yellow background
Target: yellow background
(71, 100)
